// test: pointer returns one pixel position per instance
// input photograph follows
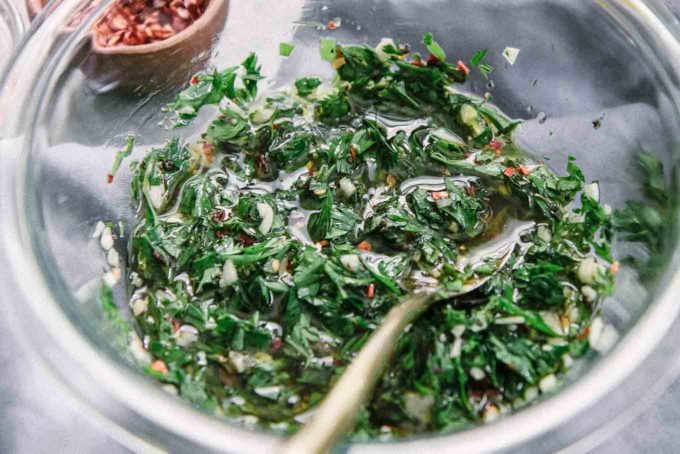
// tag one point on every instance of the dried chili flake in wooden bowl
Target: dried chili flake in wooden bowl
(138, 22)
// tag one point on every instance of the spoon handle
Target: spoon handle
(336, 413)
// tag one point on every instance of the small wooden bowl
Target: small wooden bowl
(163, 64)
(34, 7)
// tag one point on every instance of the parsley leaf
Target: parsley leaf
(285, 49)
(433, 47)
(327, 49)
(121, 155)
(478, 60)
(320, 222)
(306, 85)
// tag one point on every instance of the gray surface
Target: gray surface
(35, 415)
(656, 430)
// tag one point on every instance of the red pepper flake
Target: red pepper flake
(245, 240)
(440, 195)
(431, 59)
(524, 169)
(218, 215)
(332, 26)
(277, 343)
(352, 151)
(462, 67)
(583, 334)
(614, 268)
(159, 366)
(109, 178)
(365, 246)
(509, 171)
(194, 80)
(275, 125)
(262, 162)
(471, 191)
(371, 290)
(157, 256)
(497, 146)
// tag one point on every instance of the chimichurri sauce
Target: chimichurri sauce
(267, 251)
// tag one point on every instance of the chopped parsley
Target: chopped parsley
(433, 47)
(121, 155)
(649, 222)
(286, 49)
(327, 49)
(478, 60)
(268, 250)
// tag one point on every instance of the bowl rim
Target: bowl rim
(142, 396)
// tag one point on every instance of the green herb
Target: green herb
(433, 47)
(478, 60)
(328, 49)
(120, 332)
(306, 85)
(320, 222)
(649, 222)
(285, 49)
(121, 155)
(478, 57)
(212, 87)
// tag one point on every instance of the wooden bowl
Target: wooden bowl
(163, 64)
(34, 7)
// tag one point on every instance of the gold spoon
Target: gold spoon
(336, 414)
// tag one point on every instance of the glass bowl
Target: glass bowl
(596, 80)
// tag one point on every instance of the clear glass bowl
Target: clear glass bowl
(614, 61)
